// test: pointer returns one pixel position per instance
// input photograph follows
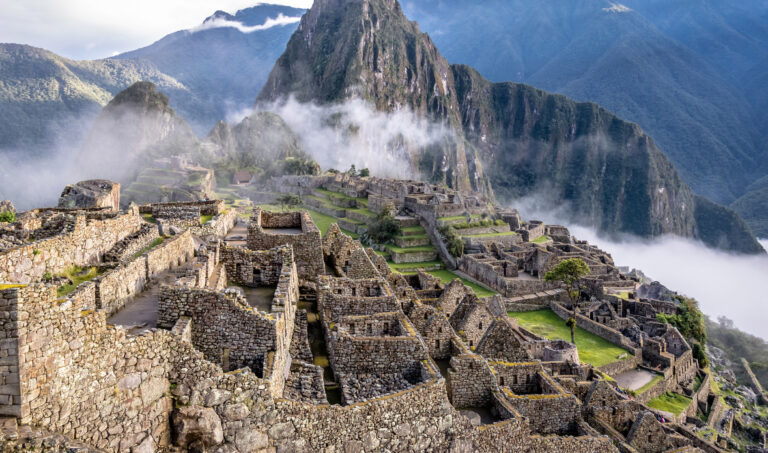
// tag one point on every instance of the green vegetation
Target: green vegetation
(650, 384)
(689, 320)
(447, 276)
(736, 344)
(7, 217)
(670, 402)
(570, 272)
(406, 267)
(322, 221)
(77, 275)
(453, 241)
(365, 172)
(205, 219)
(488, 235)
(289, 201)
(419, 249)
(383, 230)
(149, 218)
(414, 229)
(540, 240)
(152, 245)
(592, 349)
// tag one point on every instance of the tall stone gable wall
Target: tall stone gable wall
(307, 246)
(170, 254)
(93, 235)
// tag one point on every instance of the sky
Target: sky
(90, 29)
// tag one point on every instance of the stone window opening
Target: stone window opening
(437, 344)
(426, 315)
(256, 276)
(470, 343)
(480, 325)
(501, 381)
(439, 330)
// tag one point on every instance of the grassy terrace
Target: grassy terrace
(592, 349)
(459, 217)
(653, 382)
(405, 267)
(78, 275)
(205, 219)
(489, 235)
(540, 240)
(422, 248)
(447, 276)
(414, 230)
(152, 245)
(670, 402)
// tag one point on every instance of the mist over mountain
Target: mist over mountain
(689, 72)
(46, 99)
(224, 62)
(606, 170)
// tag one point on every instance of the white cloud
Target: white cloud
(617, 8)
(723, 283)
(221, 22)
(67, 27)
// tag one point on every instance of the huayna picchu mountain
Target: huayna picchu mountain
(606, 171)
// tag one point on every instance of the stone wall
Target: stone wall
(85, 244)
(121, 284)
(753, 382)
(602, 331)
(307, 246)
(63, 354)
(209, 207)
(126, 249)
(228, 331)
(254, 268)
(172, 253)
(471, 381)
(218, 226)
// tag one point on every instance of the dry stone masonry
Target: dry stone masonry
(295, 341)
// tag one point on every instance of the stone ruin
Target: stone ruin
(296, 342)
(94, 193)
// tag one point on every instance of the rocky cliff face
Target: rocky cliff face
(368, 49)
(606, 171)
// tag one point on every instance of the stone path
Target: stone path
(238, 234)
(634, 379)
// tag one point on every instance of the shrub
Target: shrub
(500, 222)
(7, 217)
(689, 320)
(698, 354)
(365, 172)
(384, 228)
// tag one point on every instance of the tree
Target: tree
(384, 228)
(288, 200)
(352, 170)
(570, 272)
(365, 172)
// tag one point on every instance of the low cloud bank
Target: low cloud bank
(724, 284)
(354, 132)
(220, 22)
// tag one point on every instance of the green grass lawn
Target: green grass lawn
(421, 265)
(447, 276)
(422, 248)
(540, 240)
(650, 384)
(670, 402)
(413, 230)
(205, 219)
(489, 235)
(322, 221)
(149, 218)
(592, 349)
